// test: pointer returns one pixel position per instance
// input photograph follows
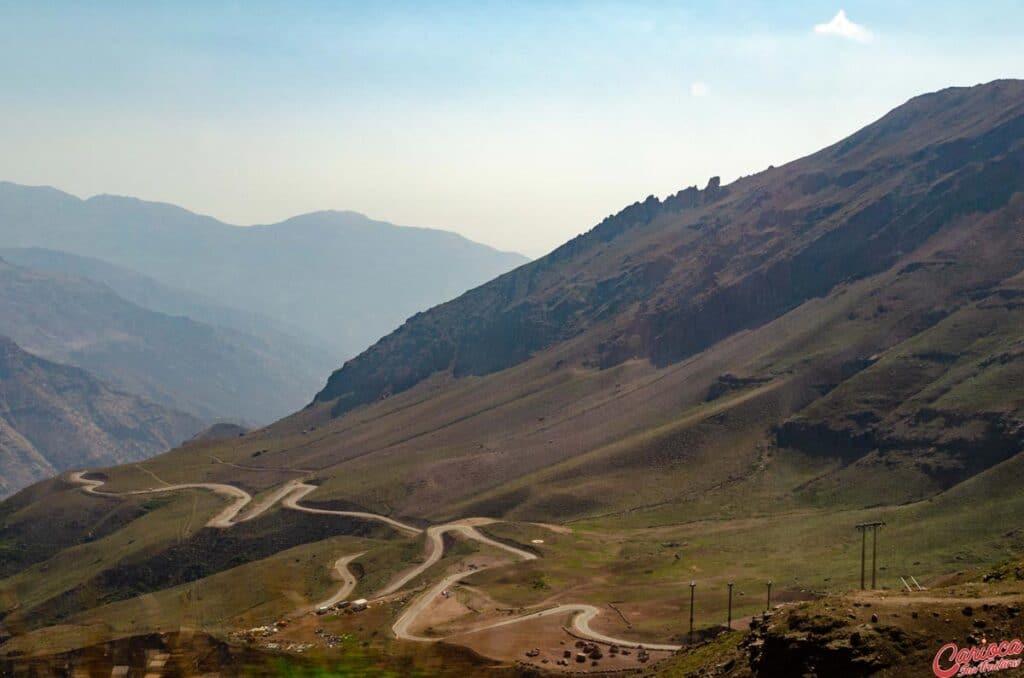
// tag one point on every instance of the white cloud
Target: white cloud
(698, 89)
(842, 27)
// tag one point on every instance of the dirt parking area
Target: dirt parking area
(545, 644)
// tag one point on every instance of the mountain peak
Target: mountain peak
(7, 346)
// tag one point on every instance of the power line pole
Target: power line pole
(863, 551)
(874, 554)
(693, 585)
(863, 527)
(769, 607)
(729, 622)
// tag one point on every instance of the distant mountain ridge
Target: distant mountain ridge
(54, 417)
(149, 293)
(213, 373)
(340, 277)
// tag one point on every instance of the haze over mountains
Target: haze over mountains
(54, 417)
(210, 372)
(338, 278)
(144, 291)
(226, 323)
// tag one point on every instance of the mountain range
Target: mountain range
(338, 279)
(715, 386)
(181, 342)
(151, 294)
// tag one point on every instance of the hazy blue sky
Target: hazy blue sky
(516, 124)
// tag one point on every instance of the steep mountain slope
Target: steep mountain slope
(210, 372)
(817, 308)
(339, 276)
(663, 280)
(54, 417)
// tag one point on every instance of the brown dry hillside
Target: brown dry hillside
(54, 417)
(859, 307)
(663, 280)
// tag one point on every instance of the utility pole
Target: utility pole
(863, 551)
(729, 622)
(863, 527)
(769, 607)
(874, 555)
(693, 585)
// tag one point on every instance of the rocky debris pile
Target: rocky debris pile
(806, 643)
(255, 634)
(345, 606)
(1010, 571)
(582, 653)
(588, 650)
(262, 636)
(330, 640)
(586, 655)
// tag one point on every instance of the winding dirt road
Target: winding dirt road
(348, 583)
(225, 519)
(300, 490)
(288, 494)
(435, 549)
(293, 491)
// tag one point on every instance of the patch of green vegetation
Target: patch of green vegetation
(805, 552)
(72, 567)
(155, 503)
(353, 662)
(462, 548)
(712, 653)
(380, 565)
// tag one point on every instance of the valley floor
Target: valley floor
(511, 594)
(422, 610)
